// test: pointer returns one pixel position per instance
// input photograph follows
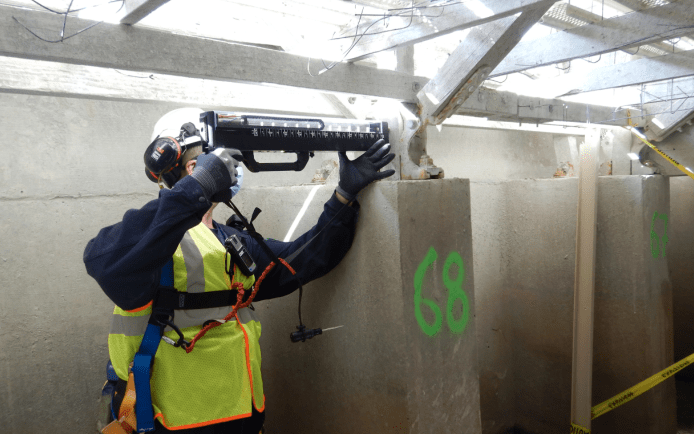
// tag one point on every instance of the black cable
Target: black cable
(62, 37)
(251, 230)
(74, 10)
(62, 31)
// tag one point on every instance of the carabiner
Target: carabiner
(181, 339)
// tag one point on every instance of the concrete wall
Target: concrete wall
(680, 254)
(70, 166)
(79, 168)
(524, 243)
(380, 372)
(479, 154)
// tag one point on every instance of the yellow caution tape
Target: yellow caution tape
(643, 386)
(662, 154)
(633, 392)
(578, 429)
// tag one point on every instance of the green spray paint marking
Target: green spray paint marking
(655, 240)
(455, 292)
(429, 329)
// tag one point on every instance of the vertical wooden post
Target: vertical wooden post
(584, 285)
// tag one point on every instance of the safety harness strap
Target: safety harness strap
(169, 298)
(126, 421)
(144, 358)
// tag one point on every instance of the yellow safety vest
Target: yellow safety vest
(217, 380)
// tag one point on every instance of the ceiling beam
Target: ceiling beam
(508, 106)
(145, 50)
(635, 72)
(472, 61)
(626, 31)
(21, 76)
(379, 34)
(136, 10)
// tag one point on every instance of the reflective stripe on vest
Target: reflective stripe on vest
(217, 381)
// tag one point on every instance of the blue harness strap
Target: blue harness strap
(142, 363)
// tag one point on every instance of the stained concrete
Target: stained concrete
(680, 257)
(524, 242)
(379, 372)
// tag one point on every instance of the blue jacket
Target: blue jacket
(126, 258)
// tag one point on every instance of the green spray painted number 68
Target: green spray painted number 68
(455, 292)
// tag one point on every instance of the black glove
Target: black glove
(362, 171)
(216, 173)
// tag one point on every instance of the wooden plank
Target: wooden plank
(635, 72)
(136, 10)
(626, 31)
(382, 34)
(470, 63)
(584, 285)
(508, 106)
(151, 51)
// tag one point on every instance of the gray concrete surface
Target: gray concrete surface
(524, 243)
(680, 254)
(70, 167)
(479, 154)
(380, 372)
(79, 168)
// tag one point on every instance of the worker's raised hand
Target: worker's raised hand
(362, 171)
(216, 173)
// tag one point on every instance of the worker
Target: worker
(216, 387)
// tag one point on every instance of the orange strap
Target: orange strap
(126, 422)
(239, 303)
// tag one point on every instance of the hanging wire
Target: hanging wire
(496, 81)
(357, 37)
(65, 14)
(586, 60)
(563, 69)
(150, 76)
(384, 18)
(73, 10)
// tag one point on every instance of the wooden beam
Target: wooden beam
(472, 61)
(423, 25)
(626, 31)
(136, 10)
(508, 106)
(635, 72)
(152, 51)
(584, 284)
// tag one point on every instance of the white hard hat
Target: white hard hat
(170, 124)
